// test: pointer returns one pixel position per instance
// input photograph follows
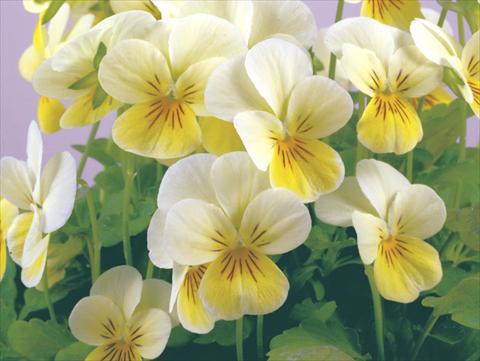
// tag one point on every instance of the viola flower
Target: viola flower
(46, 197)
(8, 212)
(442, 49)
(383, 63)
(226, 227)
(164, 78)
(268, 96)
(124, 317)
(45, 44)
(72, 73)
(392, 219)
(398, 13)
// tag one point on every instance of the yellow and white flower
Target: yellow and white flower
(398, 13)
(257, 20)
(392, 218)
(219, 217)
(46, 197)
(164, 77)
(45, 44)
(383, 63)
(72, 73)
(280, 109)
(125, 317)
(442, 49)
(8, 212)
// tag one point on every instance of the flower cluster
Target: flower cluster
(234, 97)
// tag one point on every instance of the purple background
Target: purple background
(18, 101)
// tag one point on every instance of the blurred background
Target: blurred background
(18, 101)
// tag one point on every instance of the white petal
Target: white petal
(56, 27)
(259, 132)
(471, 50)
(83, 24)
(34, 244)
(135, 71)
(364, 69)
(156, 241)
(34, 149)
(32, 275)
(237, 181)
(155, 327)
(336, 208)
(92, 317)
(16, 234)
(16, 182)
(178, 276)
(380, 182)
(276, 222)
(29, 62)
(122, 285)
(230, 91)
(196, 231)
(275, 66)
(417, 211)
(199, 37)
(411, 74)
(156, 294)
(433, 15)
(318, 116)
(370, 232)
(288, 17)
(58, 190)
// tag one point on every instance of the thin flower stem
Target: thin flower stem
(443, 16)
(150, 270)
(128, 176)
(260, 337)
(461, 29)
(86, 151)
(410, 166)
(51, 310)
(97, 245)
(378, 313)
(463, 134)
(239, 338)
(426, 331)
(333, 58)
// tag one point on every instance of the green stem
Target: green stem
(377, 309)
(239, 338)
(333, 58)
(46, 293)
(463, 134)
(461, 29)
(128, 176)
(260, 337)
(150, 270)
(426, 331)
(97, 245)
(443, 16)
(86, 151)
(409, 171)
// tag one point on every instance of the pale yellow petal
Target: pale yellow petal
(219, 136)
(49, 113)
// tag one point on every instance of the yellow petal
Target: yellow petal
(243, 281)
(81, 112)
(404, 267)
(32, 275)
(50, 111)
(114, 351)
(29, 62)
(3, 256)
(191, 312)
(307, 167)
(474, 84)
(17, 235)
(219, 136)
(398, 13)
(8, 212)
(437, 96)
(161, 128)
(389, 124)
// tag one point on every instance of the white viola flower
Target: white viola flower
(231, 221)
(164, 77)
(443, 49)
(257, 20)
(322, 53)
(124, 317)
(280, 110)
(72, 73)
(383, 63)
(392, 219)
(46, 197)
(433, 15)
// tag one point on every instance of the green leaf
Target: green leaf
(35, 299)
(87, 81)
(99, 97)
(101, 52)
(320, 311)
(110, 180)
(224, 333)
(38, 340)
(461, 302)
(466, 221)
(448, 332)
(76, 351)
(180, 337)
(102, 150)
(52, 10)
(8, 293)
